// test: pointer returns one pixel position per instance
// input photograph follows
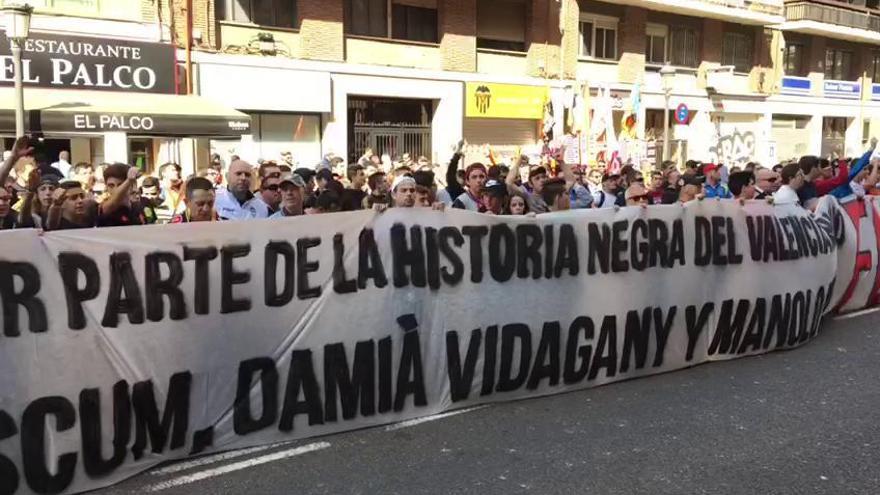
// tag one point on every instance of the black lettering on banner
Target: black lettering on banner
(702, 241)
(304, 267)
(730, 327)
(8, 473)
(341, 284)
(408, 255)
(639, 250)
(385, 389)
(546, 357)
(799, 308)
(202, 295)
(356, 387)
(301, 376)
(567, 255)
(528, 251)
(548, 248)
(599, 250)
(157, 287)
(734, 257)
(818, 311)
(573, 351)
(122, 279)
(461, 378)
(148, 427)
(618, 246)
(27, 297)
(780, 316)
(676, 249)
(810, 236)
(369, 261)
(490, 357)
(33, 445)
(755, 332)
(510, 334)
(243, 421)
(502, 252)
(410, 364)
(771, 243)
(476, 234)
(202, 439)
(755, 228)
(453, 273)
(658, 239)
(661, 332)
(432, 252)
(695, 324)
(70, 265)
(800, 236)
(606, 349)
(90, 427)
(229, 278)
(636, 335)
(273, 250)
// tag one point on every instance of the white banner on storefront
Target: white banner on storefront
(126, 347)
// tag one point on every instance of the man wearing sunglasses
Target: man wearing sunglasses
(767, 182)
(270, 193)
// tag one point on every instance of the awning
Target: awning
(58, 111)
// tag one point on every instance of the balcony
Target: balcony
(828, 14)
(833, 19)
(751, 12)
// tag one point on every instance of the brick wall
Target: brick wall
(543, 38)
(631, 36)
(458, 34)
(321, 29)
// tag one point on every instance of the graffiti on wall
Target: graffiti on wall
(736, 148)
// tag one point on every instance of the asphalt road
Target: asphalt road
(798, 422)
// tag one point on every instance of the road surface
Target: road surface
(797, 422)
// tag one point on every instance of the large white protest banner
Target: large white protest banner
(125, 347)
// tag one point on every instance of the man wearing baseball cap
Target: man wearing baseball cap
(713, 187)
(292, 196)
(493, 197)
(607, 197)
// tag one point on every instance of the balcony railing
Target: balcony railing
(808, 11)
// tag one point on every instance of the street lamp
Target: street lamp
(667, 77)
(18, 24)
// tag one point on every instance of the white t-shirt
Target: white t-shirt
(785, 196)
(604, 199)
(228, 208)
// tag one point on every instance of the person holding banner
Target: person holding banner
(403, 191)
(792, 180)
(199, 202)
(475, 178)
(534, 187)
(292, 196)
(116, 210)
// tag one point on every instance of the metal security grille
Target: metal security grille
(394, 140)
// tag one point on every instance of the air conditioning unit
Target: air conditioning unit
(719, 79)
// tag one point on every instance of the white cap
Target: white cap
(403, 179)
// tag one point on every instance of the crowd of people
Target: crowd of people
(61, 195)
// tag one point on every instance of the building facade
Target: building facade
(763, 80)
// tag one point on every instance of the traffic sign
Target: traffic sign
(682, 115)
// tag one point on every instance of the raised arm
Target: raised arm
(119, 194)
(513, 175)
(27, 205)
(19, 149)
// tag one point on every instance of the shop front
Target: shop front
(288, 108)
(111, 100)
(502, 120)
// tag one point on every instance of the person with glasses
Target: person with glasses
(270, 193)
(766, 183)
(637, 195)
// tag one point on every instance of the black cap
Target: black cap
(305, 173)
(325, 174)
(495, 188)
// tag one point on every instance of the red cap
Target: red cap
(708, 167)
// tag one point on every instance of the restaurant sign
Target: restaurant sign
(78, 62)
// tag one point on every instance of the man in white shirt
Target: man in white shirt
(792, 180)
(236, 201)
(607, 197)
(63, 163)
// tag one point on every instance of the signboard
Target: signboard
(796, 85)
(55, 122)
(682, 115)
(504, 101)
(843, 89)
(78, 62)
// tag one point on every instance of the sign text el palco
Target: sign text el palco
(77, 62)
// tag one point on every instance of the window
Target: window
(838, 64)
(275, 13)
(736, 50)
(875, 67)
(683, 46)
(655, 43)
(366, 17)
(793, 60)
(598, 37)
(501, 25)
(413, 23)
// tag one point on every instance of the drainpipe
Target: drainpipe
(189, 40)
